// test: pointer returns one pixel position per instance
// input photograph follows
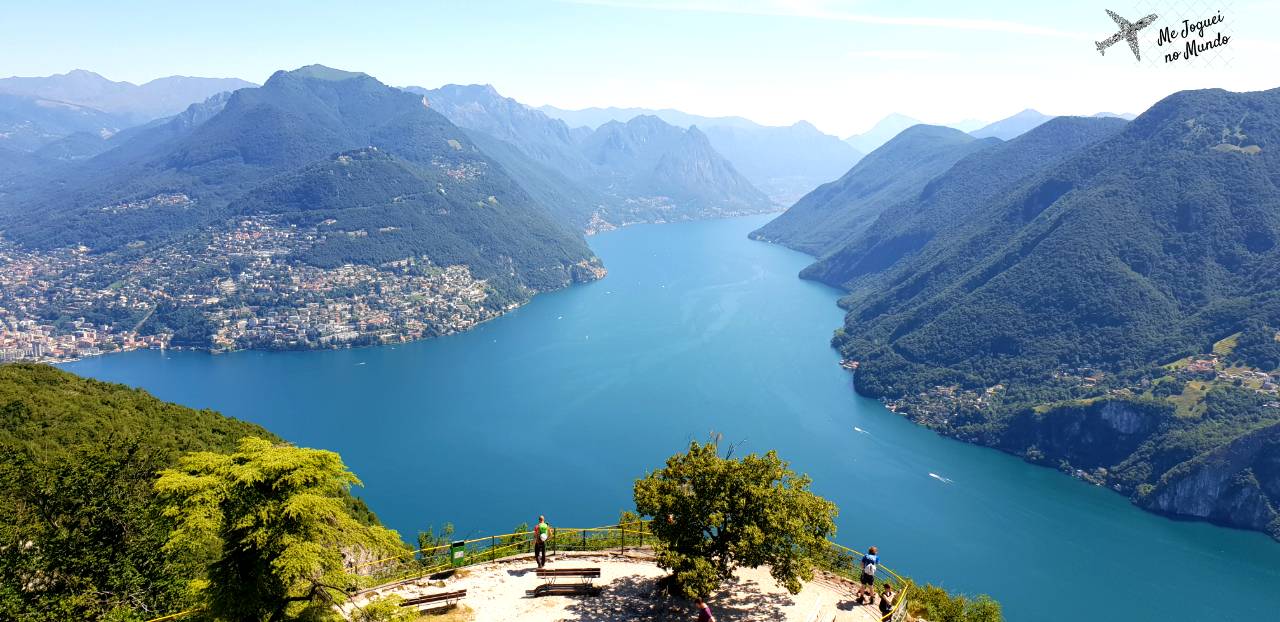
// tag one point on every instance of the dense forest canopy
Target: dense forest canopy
(1039, 292)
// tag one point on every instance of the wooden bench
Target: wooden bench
(434, 601)
(584, 583)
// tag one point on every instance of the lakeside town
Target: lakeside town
(1193, 378)
(222, 291)
(1184, 384)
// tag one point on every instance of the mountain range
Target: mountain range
(644, 170)
(384, 178)
(1004, 129)
(592, 118)
(76, 115)
(1012, 127)
(892, 125)
(130, 102)
(784, 162)
(1045, 294)
(880, 133)
(823, 220)
(944, 203)
(29, 123)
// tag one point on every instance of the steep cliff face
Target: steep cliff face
(1139, 447)
(1101, 433)
(1237, 484)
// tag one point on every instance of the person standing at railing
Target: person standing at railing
(870, 562)
(887, 597)
(541, 533)
(704, 612)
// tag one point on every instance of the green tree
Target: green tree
(935, 604)
(432, 548)
(275, 519)
(385, 610)
(714, 513)
(81, 536)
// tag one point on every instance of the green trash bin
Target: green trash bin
(458, 553)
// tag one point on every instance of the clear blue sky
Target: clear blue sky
(840, 65)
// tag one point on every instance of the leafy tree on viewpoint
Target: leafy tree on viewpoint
(715, 513)
(276, 518)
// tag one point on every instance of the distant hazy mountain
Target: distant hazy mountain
(966, 125)
(121, 144)
(784, 162)
(881, 132)
(617, 174)
(134, 103)
(540, 152)
(672, 170)
(1127, 116)
(28, 123)
(77, 146)
(1012, 127)
(480, 107)
(318, 145)
(572, 201)
(595, 117)
(896, 172)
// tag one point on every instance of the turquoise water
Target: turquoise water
(557, 407)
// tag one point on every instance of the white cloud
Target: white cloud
(825, 11)
(899, 54)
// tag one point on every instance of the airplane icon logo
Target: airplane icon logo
(1127, 31)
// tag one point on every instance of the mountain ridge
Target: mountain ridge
(893, 173)
(619, 173)
(134, 103)
(1089, 298)
(319, 174)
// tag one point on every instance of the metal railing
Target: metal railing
(844, 561)
(411, 565)
(432, 560)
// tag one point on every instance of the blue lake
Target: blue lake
(557, 407)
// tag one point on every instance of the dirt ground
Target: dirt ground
(499, 591)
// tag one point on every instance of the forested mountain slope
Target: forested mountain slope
(78, 458)
(896, 172)
(1141, 247)
(950, 208)
(1060, 308)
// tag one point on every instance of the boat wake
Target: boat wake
(945, 480)
(860, 430)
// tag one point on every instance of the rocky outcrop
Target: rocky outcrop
(1087, 435)
(1237, 484)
